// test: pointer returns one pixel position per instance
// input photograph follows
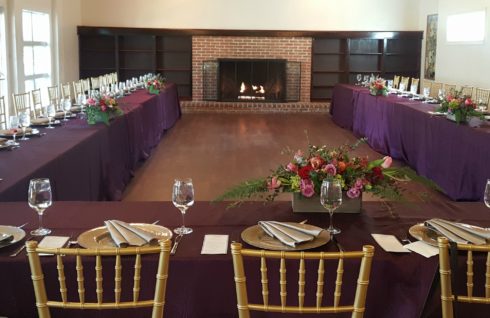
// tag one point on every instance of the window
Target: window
(3, 57)
(36, 37)
(466, 27)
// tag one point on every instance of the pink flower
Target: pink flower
(353, 193)
(330, 169)
(307, 188)
(292, 167)
(274, 183)
(316, 162)
(359, 184)
(91, 102)
(387, 162)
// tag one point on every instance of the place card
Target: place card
(52, 242)
(423, 249)
(215, 244)
(389, 243)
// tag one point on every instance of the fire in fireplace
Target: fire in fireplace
(252, 80)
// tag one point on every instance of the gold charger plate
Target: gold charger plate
(424, 234)
(99, 237)
(255, 236)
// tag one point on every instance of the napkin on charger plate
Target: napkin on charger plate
(124, 234)
(459, 232)
(289, 234)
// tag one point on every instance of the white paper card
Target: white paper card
(215, 244)
(423, 249)
(389, 243)
(53, 242)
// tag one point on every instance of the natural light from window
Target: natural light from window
(466, 27)
(37, 52)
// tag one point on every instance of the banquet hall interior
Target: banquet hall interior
(216, 158)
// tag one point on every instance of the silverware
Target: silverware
(20, 249)
(176, 244)
(334, 239)
(21, 226)
(156, 222)
(303, 222)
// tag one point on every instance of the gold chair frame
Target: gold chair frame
(37, 105)
(449, 87)
(415, 81)
(396, 81)
(425, 84)
(482, 96)
(66, 91)
(86, 85)
(244, 307)
(434, 89)
(53, 95)
(77, 88)
(445, 271)
(43, 304)
(3, 114)
(22, 103)
(467, 91)
(406, 81)
(95, 82)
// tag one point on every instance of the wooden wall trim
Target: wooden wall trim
(112, 31)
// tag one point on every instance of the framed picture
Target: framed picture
(430, 47)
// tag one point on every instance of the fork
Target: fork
(20, 249)
(336, 242)
(176, 244)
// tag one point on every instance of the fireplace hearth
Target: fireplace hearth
(252, 80)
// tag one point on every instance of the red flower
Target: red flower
(304, 172)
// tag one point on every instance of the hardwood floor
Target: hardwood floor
(220, 150)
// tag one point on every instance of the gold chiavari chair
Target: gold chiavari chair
(448, 297)
(415, 81)
(37, 105)
(86, 85)
(482, 97)
(66, 91)
(43, 304)
(405, 81)
(77, 88)
(449, 88)
(467, 91)
(357, 309)
(53, 95)
(22, 103)
(94, 82)
(3, 113)
(425, 84)
(396, 81)
(114, 78)
(434, 89)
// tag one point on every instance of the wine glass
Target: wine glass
(359, 79)
(24, 121)
(331, 199)
(481, 105)
(486, 196)
(40, 198)
(66, 108)
(183, 198)
(50, 113)
(13, 126)
(426, 93)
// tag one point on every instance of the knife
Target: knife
(176, 244)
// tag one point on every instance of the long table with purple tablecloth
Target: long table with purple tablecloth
(203, 286)
(91, 162)
(456, 157)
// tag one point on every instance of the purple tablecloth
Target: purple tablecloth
(91, 162)
(455, 156)
(203, 286)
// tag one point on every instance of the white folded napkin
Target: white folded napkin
(124, 234)
(459, 232)
(389, 243)
(422, 248)
(290, 234)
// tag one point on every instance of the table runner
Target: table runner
(202, 285)
(91, 162)
(456, 157)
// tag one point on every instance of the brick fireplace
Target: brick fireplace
(213, 48)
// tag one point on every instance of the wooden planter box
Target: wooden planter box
(313, 205)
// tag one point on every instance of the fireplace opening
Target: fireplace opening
(261, 80)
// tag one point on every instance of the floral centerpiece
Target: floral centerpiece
(102, 109)
(155, 85)
(378, 87)
(459, 107)
(305, 173)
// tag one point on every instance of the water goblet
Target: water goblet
(365, 80)
(50, 113)
(359, 79)
(426, 93)
(66, 108)
(183, 198)
(39, 199)
(402, 87)
(486, 196)
(331, 199)
(24, 121)
(13, 126)
(389, 84)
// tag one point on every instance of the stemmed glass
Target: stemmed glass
(486, 196)
(183, 198)
(426, 93)
(40, 198)
(481, 106)
(13, 126)
(50, 113)
(331, 199)
(24, 121)
(66, 108)
(359, 79)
